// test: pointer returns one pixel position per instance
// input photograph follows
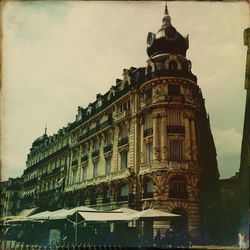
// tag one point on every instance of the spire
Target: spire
(45, 130)
(166, 9)
(166, 21)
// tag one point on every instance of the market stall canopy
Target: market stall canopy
(64, 213)
(153, 213)
(104, 216)
(126, 210)
(28, 212)
(21, 216)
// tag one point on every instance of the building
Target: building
(145, 143)
(245, 146)
(10, 195)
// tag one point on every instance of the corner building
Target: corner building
(143, 143)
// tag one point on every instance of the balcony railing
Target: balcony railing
(122, 114)
(176, 129)
(123, 141)
(148, 132)
(84, 158)
(96, 129)
(96, 153)
(107, 148)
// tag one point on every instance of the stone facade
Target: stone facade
(142, 144)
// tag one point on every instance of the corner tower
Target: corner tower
(175, 131)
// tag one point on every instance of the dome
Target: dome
(166, 40)
(39, 141)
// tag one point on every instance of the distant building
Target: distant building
(235, 190)
(144, 143)
(10, 195)
(245, 147)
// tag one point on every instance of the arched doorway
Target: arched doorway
(180, 224)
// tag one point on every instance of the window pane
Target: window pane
(124, 190)
(124, 159)
(108, 166)
(149, 152)
(176, 151)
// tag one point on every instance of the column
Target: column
(164, 137)
(142, 144)
(193, 136)
(187, 149)
(155, 137)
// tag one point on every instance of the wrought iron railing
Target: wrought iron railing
(123, 141)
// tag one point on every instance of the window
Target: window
(148, 189)
(174, 117)
(84, 173)
(93, 197)
(148, 94)
(124, 132)
(95, 169)
(149, 152)
(106, 195)
(108, 166)
(124, 159)
(176, 150)
(95, 145)
(148, 121)
(74, 175)
(123, 193)
(173, 65)
(178, 187)
(174, 89)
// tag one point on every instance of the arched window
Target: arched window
(148, 188)
(178, 187)
(173, 65)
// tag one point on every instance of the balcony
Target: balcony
(123, 141)
(148, 132)
(175, 129)
(84, 158)
(96, 153)
(108, 148)
(145, 102)
(96, 129)
(122, 114)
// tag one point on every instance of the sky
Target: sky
(58, 55)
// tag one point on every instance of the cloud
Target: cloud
(228, 142)
(228, 146)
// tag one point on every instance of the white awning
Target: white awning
(64, 213)
(153, 213)
(27, 212)
(40, 216)
(104, 216)
(59, 214)
(126, 210)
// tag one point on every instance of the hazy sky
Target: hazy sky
(59, 55)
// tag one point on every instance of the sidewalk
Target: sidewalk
(216, 247)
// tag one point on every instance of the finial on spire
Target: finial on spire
(166, 9)
(45, 130)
